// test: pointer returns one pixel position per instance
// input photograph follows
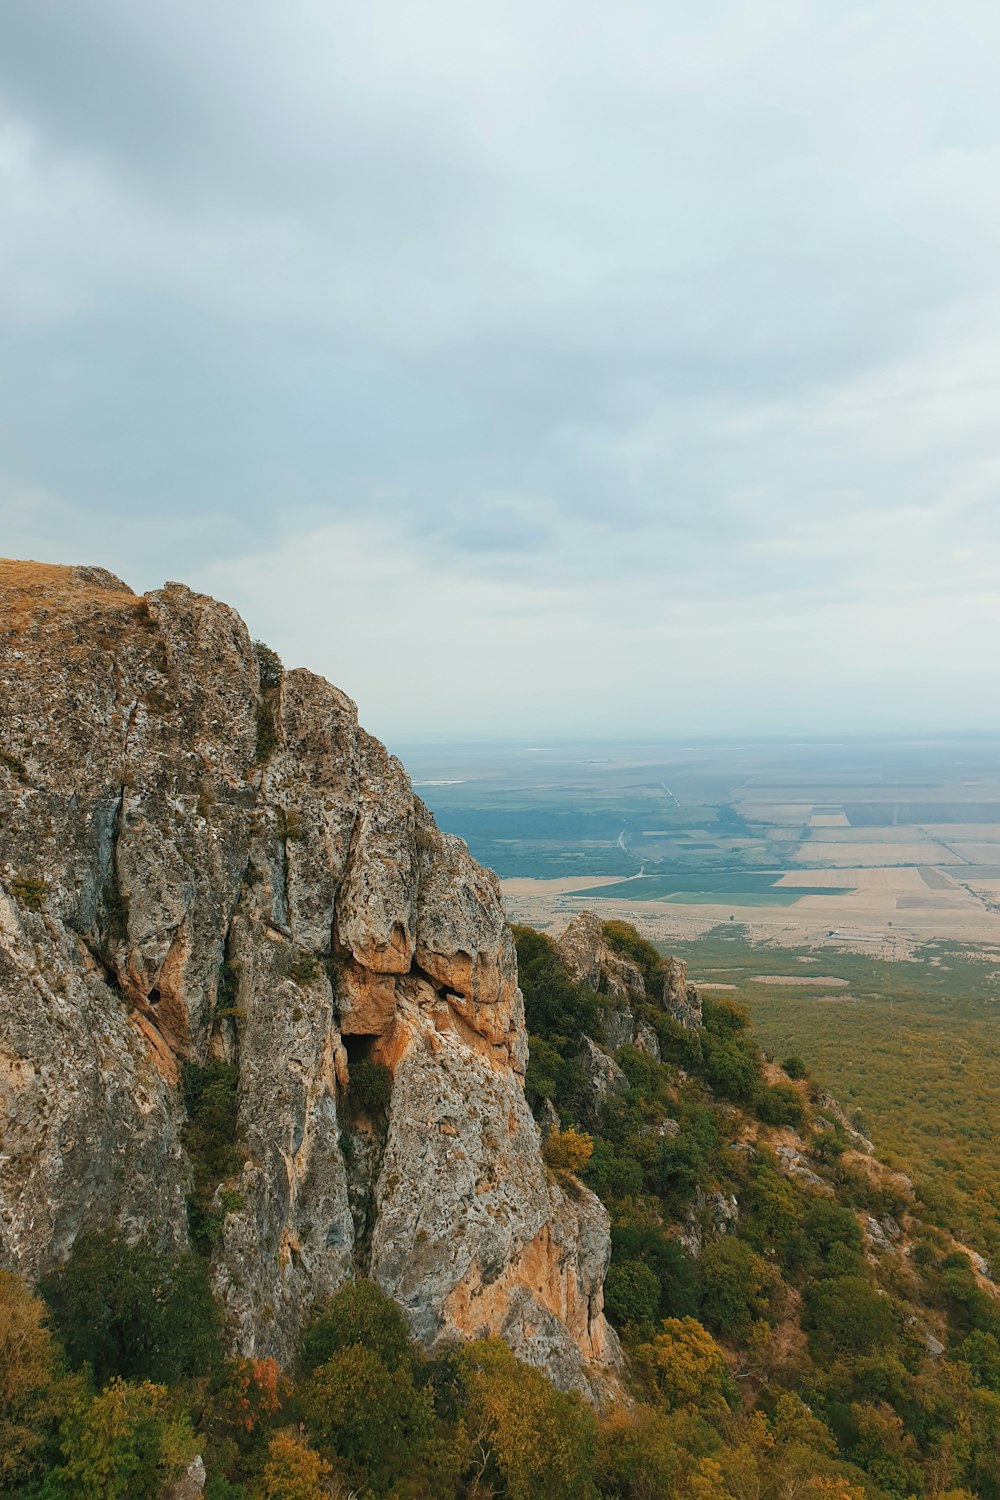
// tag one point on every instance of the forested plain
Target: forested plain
(796, 1319)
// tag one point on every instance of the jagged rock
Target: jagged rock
(622, 1028)
(592, 961)
(934, 1346)
(680, 999)
(854, 1131)
(725, 1211)
(604, 1076)
(193, 867)
(190, 1485)
(877, 1236)
(646, 1040)
(793, 1164)
(714, 1214)
(549, 1120)
(619, 1028)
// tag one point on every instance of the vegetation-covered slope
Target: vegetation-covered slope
(795, 1323)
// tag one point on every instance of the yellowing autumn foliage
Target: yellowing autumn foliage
(684, 1366)
(568, 1150)
(293, 1470)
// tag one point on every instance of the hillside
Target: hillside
(313, 1183)
(743, 1197)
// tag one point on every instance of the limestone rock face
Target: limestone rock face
(199, 865)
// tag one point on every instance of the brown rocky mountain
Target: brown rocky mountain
(206, 863)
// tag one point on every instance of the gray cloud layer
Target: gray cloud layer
(483, 354)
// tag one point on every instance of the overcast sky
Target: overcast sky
(523, 366)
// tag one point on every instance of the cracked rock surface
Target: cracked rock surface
(196, 865)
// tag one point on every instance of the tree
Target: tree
(360, 1313)
(647, 1454)
(293, 1470)
(372, 1417)
(780, 1104)
(631, 1293)
(121, 1444)
(533, 1439)
(737, 1287)
(568, 1150)
(847, 1315)
(28, 1370)
(684, 1366)
(134, 1311)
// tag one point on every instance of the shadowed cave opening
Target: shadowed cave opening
(358, 1046)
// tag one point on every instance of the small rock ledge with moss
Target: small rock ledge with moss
(250, 996)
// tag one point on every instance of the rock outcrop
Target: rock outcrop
(681, 999)
(204, 858)
(592, 960)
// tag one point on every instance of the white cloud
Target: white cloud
(487, 353)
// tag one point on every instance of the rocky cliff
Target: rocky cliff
(205, 861)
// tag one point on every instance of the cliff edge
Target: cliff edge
(209, 872)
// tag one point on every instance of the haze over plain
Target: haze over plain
(618, 366)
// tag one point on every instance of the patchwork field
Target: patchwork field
(866, 844)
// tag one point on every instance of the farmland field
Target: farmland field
(879, 845)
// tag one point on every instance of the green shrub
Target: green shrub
(14, 765)
(773, 1217)
(624, 939)
(631, 1293)
(780, 1104)
(737, 1287)
(847, 1315)
(643, 1072)
(794, 1067)
(612, 1175)
(732, 1064)
(29, 890)
(269, 665)
(675, 1271)
(304, 968)
(370, 1086)
(541, 1079)
(212, 1141)
(267, 732)
(828, 1227)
